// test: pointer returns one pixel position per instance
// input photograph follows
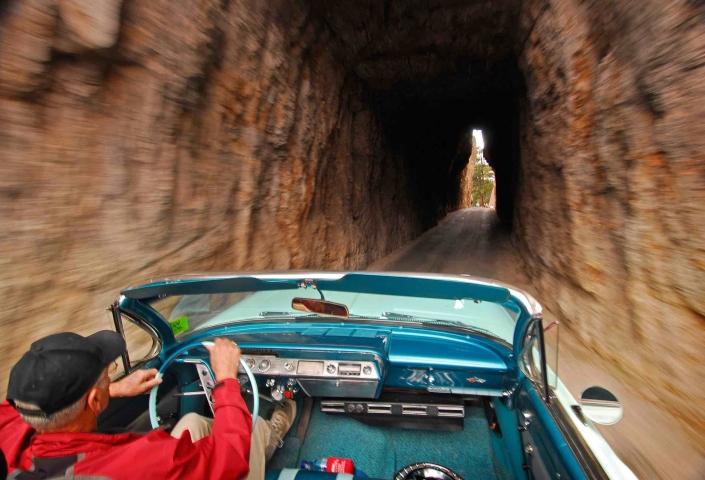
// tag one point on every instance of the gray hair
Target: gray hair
(57, 420)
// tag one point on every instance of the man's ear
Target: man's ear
(97, 400)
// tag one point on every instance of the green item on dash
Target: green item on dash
(179, 325)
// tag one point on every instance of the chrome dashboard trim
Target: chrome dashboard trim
(483, 392)
(338, 387)
(274, 366)
(398, 409)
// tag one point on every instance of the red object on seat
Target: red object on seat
(340, 465)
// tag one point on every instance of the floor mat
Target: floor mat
(381, 451)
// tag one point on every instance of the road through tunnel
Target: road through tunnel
(148, 138)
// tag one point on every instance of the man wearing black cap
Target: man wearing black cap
(59, 387)
(48, 385)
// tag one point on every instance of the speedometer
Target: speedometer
(264, 365)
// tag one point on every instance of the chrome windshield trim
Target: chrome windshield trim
(527, 301)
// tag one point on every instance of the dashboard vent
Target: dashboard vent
(333, 407)
(379, 408)
(451, 411)
(394, 409)
(260, 351)
(412, 409)
(433, 410)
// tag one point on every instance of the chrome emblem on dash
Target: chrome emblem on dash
(475, 380)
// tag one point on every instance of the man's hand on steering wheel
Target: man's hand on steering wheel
(224, 363)
(136, 383)
(224, 358)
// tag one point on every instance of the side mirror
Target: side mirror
(601, 406)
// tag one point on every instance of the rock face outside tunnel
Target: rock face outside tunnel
(209, 137)
(142, 138)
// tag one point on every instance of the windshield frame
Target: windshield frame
(403, 284)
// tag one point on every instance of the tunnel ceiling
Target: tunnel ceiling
(427, 52)
(388, 43)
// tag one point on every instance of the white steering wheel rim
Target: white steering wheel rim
(154, 418)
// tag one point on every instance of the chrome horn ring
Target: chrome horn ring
(426, 471)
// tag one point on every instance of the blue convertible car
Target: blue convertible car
(409, 375)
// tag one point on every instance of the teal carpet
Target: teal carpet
(381, 451)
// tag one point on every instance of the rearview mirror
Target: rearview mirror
(601, 406)
(322, 307)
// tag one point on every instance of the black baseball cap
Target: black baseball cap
(59, 369)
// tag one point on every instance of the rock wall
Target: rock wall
(148, 138)
(612, 196)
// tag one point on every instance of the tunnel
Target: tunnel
(430, 122)
(344, 126)
(430, 74)
(142, 139)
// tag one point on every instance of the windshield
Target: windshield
(189, 313)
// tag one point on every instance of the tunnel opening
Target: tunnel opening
(431, 123)
(481, 174)
(431, 75)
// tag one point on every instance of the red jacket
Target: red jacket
(222, 454)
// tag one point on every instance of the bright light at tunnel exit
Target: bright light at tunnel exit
(479, 141)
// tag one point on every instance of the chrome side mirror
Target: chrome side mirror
(601, 406)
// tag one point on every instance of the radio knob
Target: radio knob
(367, 370)
(331, 368)
(288, 366)
(278, 393)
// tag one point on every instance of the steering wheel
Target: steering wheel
(154, 419)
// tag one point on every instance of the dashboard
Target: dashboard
(366, 364)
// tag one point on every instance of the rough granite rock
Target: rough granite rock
(86, 25)
(197, 136)
(610, 211)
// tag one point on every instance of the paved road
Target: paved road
(648, 439)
